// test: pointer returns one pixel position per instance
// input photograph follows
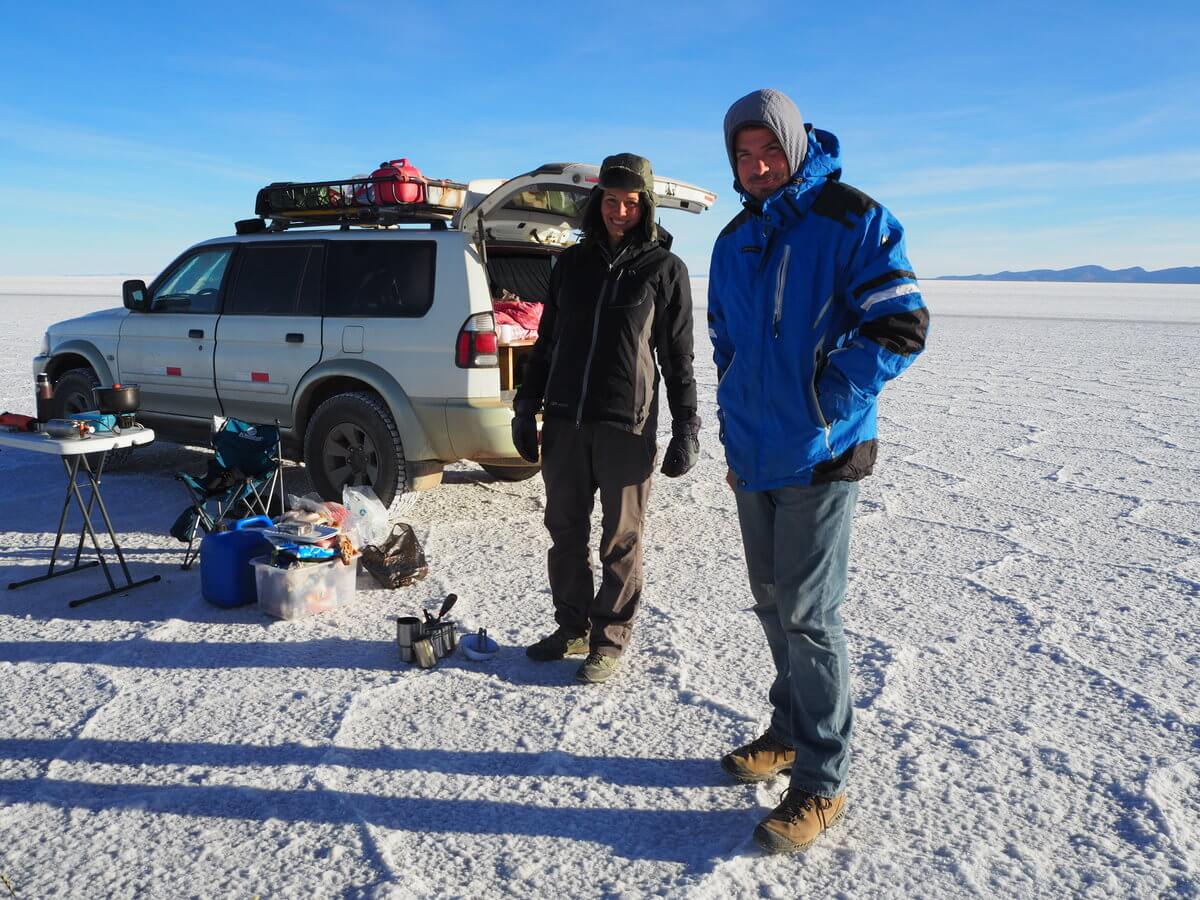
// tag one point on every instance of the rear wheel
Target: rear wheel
(73, 394)
(352, 439)
(510, 473)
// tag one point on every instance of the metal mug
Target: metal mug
(441, 636)
(409, 630)
(424, 653)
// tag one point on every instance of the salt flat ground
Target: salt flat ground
(1024, 630)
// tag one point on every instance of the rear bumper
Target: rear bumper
(481, 430)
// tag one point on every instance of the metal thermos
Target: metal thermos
(44, 394)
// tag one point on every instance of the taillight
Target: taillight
(476, 344)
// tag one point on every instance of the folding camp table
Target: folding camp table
(75, 454)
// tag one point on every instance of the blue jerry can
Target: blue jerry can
(226, 577)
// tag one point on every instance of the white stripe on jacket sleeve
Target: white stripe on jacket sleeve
(888, 294)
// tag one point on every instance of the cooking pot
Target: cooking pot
(120, 398)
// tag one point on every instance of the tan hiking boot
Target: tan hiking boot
(598, 668)
(762, 758)
(798, 820)
(556, 646)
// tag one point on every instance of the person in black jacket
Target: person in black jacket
(619, 309)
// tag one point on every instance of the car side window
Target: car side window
(379, 278)
(195, 284)
(269, 279)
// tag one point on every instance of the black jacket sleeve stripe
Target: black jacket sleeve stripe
(902, 333)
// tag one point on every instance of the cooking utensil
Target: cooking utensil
(447, 605)
(120, 398)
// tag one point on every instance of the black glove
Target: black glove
(684, 449)
(525, 436)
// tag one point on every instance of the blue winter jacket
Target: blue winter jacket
(812, 308)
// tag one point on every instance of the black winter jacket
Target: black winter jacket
(608, 315)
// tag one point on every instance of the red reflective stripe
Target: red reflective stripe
(260, 376)
(174, 370)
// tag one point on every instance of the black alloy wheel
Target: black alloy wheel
(352, 439)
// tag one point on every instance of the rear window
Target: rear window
(368, 279)
(270, 280)
(569, 203)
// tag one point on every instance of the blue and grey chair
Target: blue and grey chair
(242, 479)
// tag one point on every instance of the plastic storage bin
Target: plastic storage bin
(303, 590)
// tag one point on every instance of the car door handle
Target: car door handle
(295, 337)
(196, 333)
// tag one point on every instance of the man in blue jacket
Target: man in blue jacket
(813, 307)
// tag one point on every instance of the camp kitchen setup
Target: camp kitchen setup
(301, 562)
(83, 443)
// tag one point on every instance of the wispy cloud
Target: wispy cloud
(54, 141)
(1157, 168)
(925, 211)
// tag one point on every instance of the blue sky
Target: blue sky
(1011, 136)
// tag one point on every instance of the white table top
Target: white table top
(37, 442)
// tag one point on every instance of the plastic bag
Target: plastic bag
(331, 513)
(398, 560)
(366, 516)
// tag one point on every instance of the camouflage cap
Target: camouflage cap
(627, 172)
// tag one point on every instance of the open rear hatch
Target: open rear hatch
(546, 206)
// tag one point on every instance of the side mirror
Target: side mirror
(135, 295)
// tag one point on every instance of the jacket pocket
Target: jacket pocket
(728, 369)
(629, 301)
(819, 364)
(780, 289)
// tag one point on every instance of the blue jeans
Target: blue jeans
(797, 542)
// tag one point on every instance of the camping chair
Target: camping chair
(242, 480)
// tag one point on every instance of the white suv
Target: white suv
(372, 341)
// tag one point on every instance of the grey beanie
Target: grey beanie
(769, 109)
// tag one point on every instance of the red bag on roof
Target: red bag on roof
(407, 184)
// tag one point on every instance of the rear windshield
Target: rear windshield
(567, 202)
(368, 279)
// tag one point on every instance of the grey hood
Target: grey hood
(770, 109)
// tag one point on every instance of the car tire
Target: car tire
(353, 439)
(73, 394)
(510, 473)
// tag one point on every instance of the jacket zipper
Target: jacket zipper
(812, 389)
(780, 285)
(587, 366)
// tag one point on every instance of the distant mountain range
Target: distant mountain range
(1094, 274)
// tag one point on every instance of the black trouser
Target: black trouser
(575, 462)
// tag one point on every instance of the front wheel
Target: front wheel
(73, 393)
(352, 439)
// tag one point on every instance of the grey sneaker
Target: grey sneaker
(598, 668)
(556, 646)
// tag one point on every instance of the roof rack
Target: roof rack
(355, 201)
